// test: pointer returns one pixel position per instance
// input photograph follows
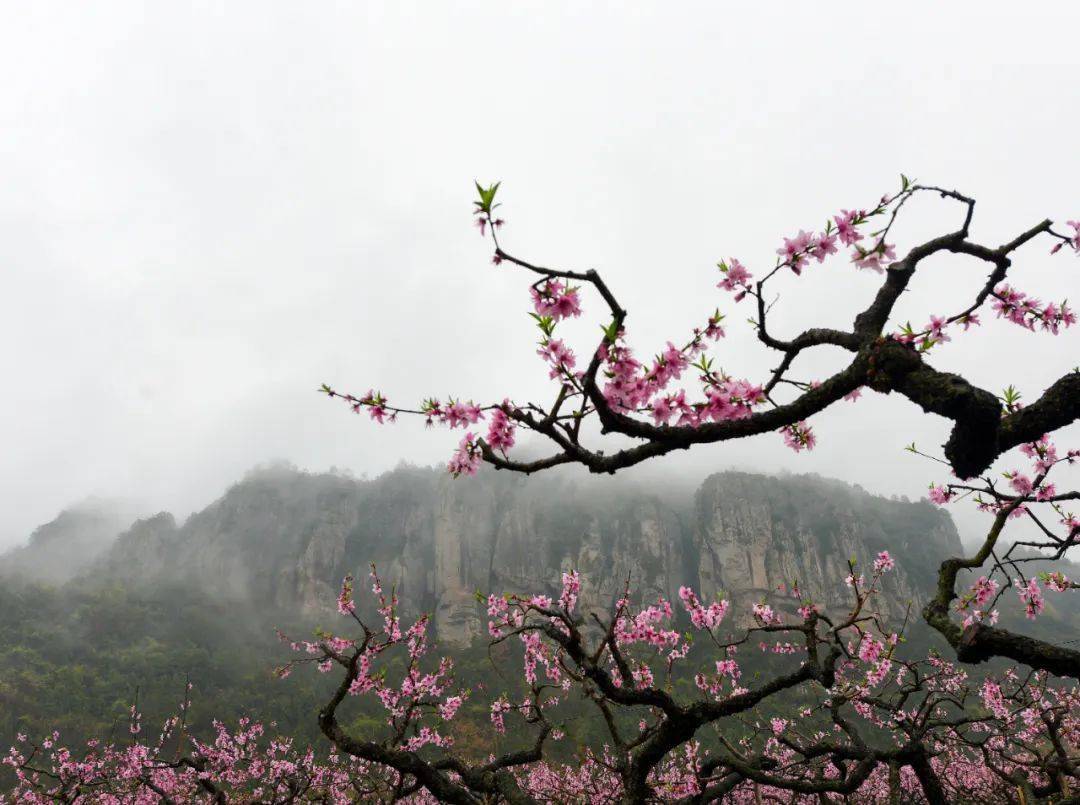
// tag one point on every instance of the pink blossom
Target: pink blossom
(1056, 581)
(498, 711)
(884, 562)
(664, 408)
(736, 278)
(448, 709)
(458, 414)
(983, 590)
(936, 329)
(845, 226)
(870, 649)
(799, 436)
(559, 356)
(970, 320)
(794, 250)
(940, 494)
(556, 299)
(345, 603)
(765, 614)
(1024, 311)
(376, 404)
(702, 617)
(466, 459)
(571, 588)
(728, 668)
(1045, 492)
(500, 435)
(823, 246)
(874, 259)
(1031, 595)
(994, 700)
(1021, 483)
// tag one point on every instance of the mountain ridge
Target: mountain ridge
(282, 538)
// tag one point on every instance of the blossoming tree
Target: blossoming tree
(846, 714)
(639, 400)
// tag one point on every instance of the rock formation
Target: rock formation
(283, 538)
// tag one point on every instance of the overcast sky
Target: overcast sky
(208, 209)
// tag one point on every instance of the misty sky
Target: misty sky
(208, 209)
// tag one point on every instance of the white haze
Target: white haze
(209, 209)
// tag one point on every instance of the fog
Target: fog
(207, 210)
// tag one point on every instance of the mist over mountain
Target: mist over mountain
(97, 611)
(282, 539)
(66, 546)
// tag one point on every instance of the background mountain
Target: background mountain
(283, 539)
(65, 547)
(96, 613)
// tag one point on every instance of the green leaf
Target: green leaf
(1010, 395)
(487, 197)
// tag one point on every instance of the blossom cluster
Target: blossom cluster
(631, 386)
(1028, 312)
(1029, 489)
(244, 765)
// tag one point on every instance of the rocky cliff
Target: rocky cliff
(752, 534)
(283, 538)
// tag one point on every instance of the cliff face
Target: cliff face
(285, 539)
(751, 535)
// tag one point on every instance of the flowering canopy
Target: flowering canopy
(870, 724)
(641, 399)
(624, 394)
